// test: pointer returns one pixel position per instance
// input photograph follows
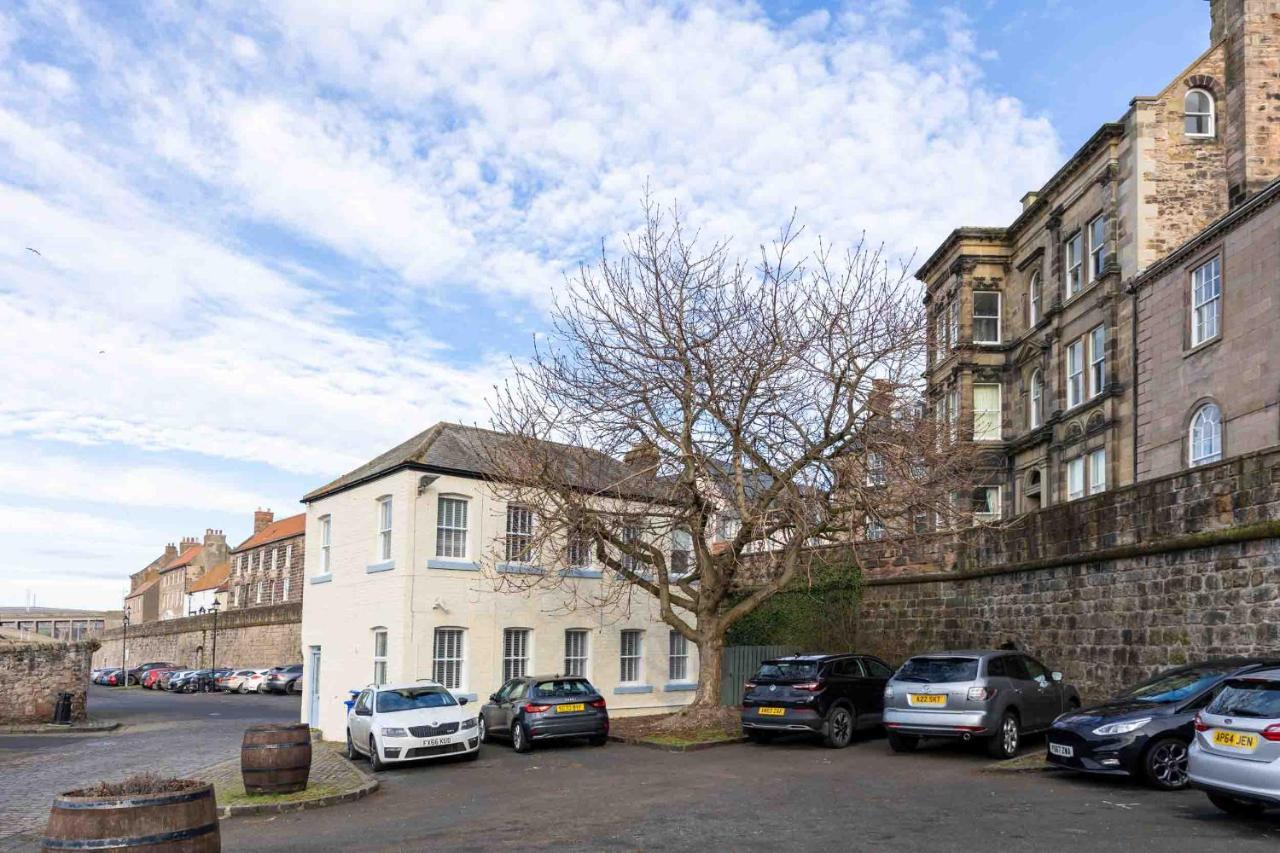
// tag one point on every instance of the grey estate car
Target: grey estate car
(995, 695)
(1235, 757)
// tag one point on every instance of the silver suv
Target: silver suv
(996, 695)
(1234, 755)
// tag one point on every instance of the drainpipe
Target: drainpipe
(1133, 294)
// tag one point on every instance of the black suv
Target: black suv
(827, 695)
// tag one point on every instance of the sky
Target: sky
(245, 248)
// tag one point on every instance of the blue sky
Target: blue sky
(272, 240)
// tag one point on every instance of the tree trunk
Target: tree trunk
(710, 654)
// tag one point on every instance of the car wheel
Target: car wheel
(1233, 806)
(262, 688)
(375, 761)
(1165, 764)
(351, 753)
(903, 743)
(1008, 737)
(756, 736)
(483, 729)
(241, 690)
(520, 741)
(838, 728)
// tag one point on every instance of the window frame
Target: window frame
(1096, 482)
(1214, 302)
(997, 504)
(444, 664)
(326, 544)
(876, 473)
(1076, 380)
(1194, 461)
(450, 532)
(508, 659)
(1073, 466)
(1035, 400)
(578, 665)
(1097, 361)
(379, 656)
(385, 511)
(1097, 252)
(1211, 115)
(975, 317)
(514, 553)
(636, 658)
(1033, 299)
(677, 652)
(998, 427)
(1073, 265)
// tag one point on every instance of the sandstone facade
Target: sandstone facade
(34, 672)
(260, 636)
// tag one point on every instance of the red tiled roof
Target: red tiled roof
(146, 586)
(285, 528)
(185, 558)
(212, 579)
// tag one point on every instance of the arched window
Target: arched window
(1206, 435)
(1198, 112)
(1033, 300)
(1035, 415)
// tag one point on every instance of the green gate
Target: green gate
(738, 663)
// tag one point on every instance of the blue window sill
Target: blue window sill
(384, 566)
(679, 686)
(582, 573)
(453, 565)
(519, 569)
(633, 688)
(325, 578)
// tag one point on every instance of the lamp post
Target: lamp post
(123, 681)
(213, 658)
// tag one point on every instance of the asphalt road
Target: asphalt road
(785, 796)
(162, 732)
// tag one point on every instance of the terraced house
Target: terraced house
(1032, 329)
(405, 561)
(266, 568)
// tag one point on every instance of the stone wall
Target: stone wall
(32, 674)
(257, 636)
(1107, 589)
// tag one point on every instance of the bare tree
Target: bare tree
(761, 410)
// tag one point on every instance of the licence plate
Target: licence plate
(569, 709)
(772, 712)
(935, 699)
(1235, 740)
(436, 741)
(1061, 749)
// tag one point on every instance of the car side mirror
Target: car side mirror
(493, 697)
(1057, 676)
(462, 700)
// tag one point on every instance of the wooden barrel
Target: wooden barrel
(276, 759)
(185, 821)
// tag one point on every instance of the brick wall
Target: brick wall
(258, 636)
(1107, 589)
(33, 674)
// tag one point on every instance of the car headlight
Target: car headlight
(469, 724)
(888, 692)
(1122, 728)
(394, 733)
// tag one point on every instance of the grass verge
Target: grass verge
(234, 795)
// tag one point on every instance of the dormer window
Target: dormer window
(1198, 112)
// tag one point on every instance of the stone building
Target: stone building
(143, 599)
(59, 623)
(1031, 349)
(266, 568)
(195, 557)
(1208, 356)
(35, 669)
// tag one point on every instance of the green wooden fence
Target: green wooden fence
(738, 663)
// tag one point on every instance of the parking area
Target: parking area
(788, 795)
(165, 732)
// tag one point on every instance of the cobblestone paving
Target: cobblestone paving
(328, 769)
(160, 732)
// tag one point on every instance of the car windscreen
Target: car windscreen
(1176, 686)
(413, 698)
(1255, 699)
(938, 670)
(563, 687)
(787, 670)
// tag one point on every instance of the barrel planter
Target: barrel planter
(184, 820)
(276, 759)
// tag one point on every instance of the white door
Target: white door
(313, 667)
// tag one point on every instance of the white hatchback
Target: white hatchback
(408, 722)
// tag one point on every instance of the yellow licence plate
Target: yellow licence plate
(939, 699)
(569, 709)
(772, 712)
(1235, 740)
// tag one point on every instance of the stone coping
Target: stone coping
(674, 747)
(87, 727)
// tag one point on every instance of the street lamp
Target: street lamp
(213, 658)
(123, 681)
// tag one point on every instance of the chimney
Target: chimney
(882, 397)
(187, 542)
(643, 455)
(170, 554)
(214, 537)
(1029, 199)
(1247, 111)
(261, 518)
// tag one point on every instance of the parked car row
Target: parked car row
(160, 675)
(1213, 725)
(390, 724)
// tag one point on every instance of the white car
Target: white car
(407, 722)
(256, 682)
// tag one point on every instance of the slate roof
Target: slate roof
(449, 448)
(285, 528)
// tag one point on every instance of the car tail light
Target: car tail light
(536, 709)
(596, 703)
(808, 685)
(748, 685)
(981, 694)
(1272, 733)
(1201, 725)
